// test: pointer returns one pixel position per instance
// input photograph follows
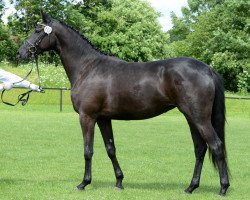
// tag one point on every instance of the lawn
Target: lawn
(41, 156)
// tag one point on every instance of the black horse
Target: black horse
(105, 88)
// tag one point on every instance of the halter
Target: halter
(33, 46)
(23, 98)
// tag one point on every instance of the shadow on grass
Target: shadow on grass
(160, 186)
(150, 186)
(18, 181)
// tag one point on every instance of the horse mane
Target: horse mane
(84, 38)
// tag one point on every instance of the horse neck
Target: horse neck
(75, 52)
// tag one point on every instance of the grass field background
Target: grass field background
(41, 155)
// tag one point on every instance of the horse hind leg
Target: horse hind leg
(107, 135)
(200, 148)
(198, 115)
(216, 147)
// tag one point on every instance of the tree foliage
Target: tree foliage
(7, 41)
(1, 9)
(7, 44)
(216, 32)
(128, 29)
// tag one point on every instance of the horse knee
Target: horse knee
(88, 154)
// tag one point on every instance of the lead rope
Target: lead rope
(24, 97)
(38, 75)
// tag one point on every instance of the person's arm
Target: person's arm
(9, 80)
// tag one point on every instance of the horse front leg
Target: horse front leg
(107, 135)
(87, 125)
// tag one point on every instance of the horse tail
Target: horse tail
(218, 114)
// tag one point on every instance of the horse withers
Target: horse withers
(105, 87)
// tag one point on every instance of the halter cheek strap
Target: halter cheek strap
(33, 46)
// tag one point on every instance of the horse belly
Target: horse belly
(131, 107)
(140, 115)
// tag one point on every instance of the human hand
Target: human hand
(35, 88)
(7, 85)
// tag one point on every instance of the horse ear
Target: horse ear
(45, 17)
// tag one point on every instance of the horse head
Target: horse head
(42, 39)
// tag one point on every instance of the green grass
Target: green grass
(41, 156)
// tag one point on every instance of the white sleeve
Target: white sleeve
(12, 78)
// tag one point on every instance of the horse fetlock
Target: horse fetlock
(87, 181)
(119, 174)
(119, 178)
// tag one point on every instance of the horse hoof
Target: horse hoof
(222, 194)
(223, 190)
(187, 191)
(80, 186)
(119, 188)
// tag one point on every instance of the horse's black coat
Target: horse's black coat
(105, 88)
